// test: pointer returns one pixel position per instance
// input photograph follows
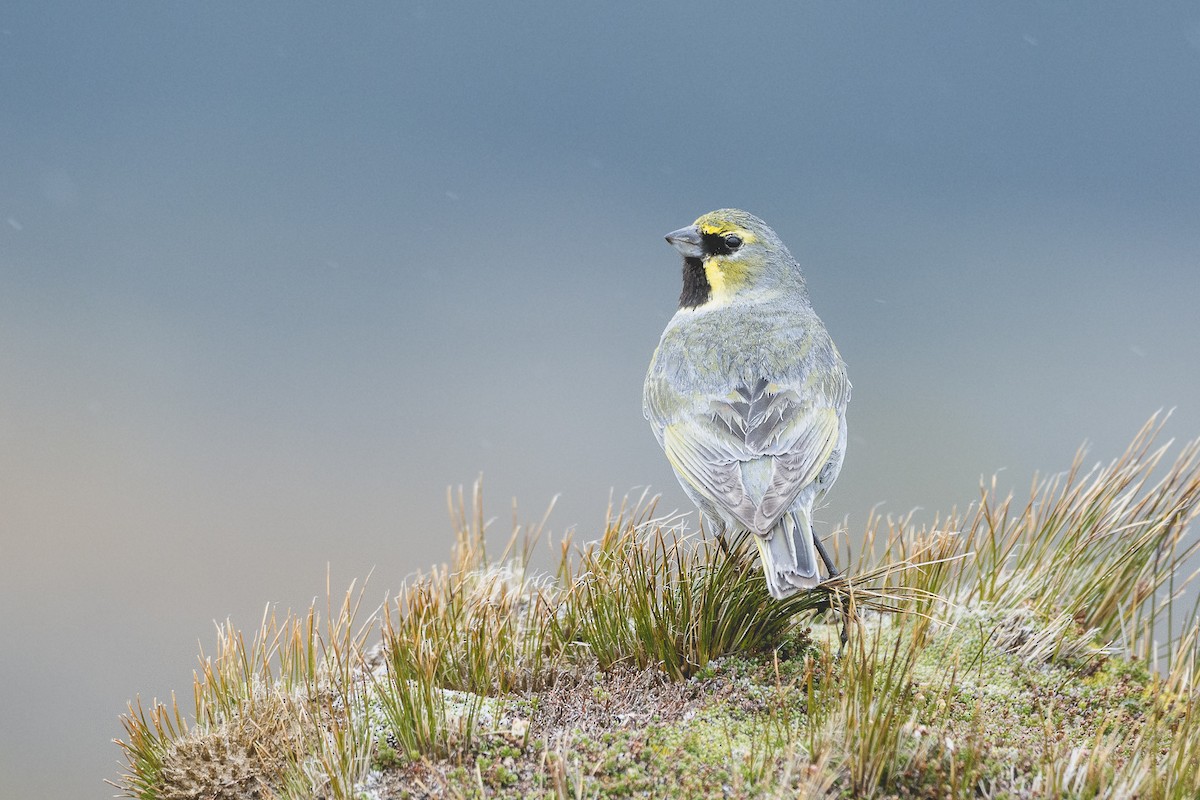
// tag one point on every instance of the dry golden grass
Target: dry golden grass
(1079, 580)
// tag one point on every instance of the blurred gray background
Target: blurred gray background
(273, 276)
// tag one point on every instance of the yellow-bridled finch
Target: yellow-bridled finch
(747, 394)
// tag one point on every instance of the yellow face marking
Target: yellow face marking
(726, 274)
(716, 280)
(722, 228)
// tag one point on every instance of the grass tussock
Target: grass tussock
(272, 716)
(648, 594)
(1018, 649)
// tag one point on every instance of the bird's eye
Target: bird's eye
(733, 241)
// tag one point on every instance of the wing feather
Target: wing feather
(810, 444)
(710, 448)
(712, 467)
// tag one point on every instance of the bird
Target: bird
(747, 394)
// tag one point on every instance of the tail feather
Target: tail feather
(789, 555)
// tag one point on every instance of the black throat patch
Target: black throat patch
(696, 289)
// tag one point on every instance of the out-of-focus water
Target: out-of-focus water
(271, 278)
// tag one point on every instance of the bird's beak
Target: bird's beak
(687, 241)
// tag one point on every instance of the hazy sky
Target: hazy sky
(273, 276)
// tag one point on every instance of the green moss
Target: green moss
(385, 757)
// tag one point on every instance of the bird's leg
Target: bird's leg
(833, 573)
(826, 558)
(724, 545)
(719, 532)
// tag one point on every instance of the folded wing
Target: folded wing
(719, 448)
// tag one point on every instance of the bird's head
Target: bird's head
(729, 254)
